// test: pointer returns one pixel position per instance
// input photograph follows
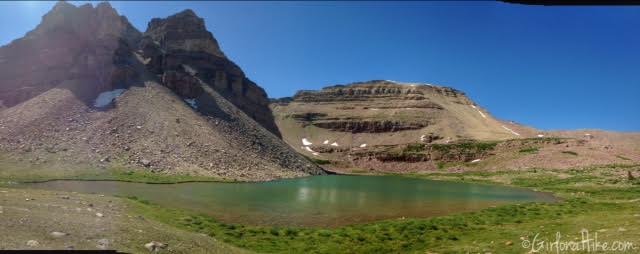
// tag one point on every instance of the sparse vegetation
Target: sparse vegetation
(466, 146)
(529, 150)
(622, 157)
(414, 148)
(21, 172)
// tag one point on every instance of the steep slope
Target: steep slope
(179, 47)
(385, 113)
(143, 122)
(391, 126)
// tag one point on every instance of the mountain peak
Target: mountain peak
(62, 5)
(186, 19)
(187, 12)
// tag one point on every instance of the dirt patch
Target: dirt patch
(37, 219)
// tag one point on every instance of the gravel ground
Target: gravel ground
(37, 219)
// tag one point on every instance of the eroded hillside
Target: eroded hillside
(390, 126)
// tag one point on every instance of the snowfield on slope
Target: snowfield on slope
(514, 133)
(192, 103)
(105, 98)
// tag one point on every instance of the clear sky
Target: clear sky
(548, 67)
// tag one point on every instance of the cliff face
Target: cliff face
(380, 89)
(83, 43)
(364, 116)
(179, 49)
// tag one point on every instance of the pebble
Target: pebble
(56, 234)
(103, 243)
(508, 243)
(100, 215)
(155, 246)
(33, 243)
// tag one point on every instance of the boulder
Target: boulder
(154, 246)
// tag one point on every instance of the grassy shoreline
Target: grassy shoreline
(594, 199)
(598, 199)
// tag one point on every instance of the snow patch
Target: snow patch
(473, 106)
(540, 135)
(482, 114)
(315, 153)
(192, 103)
(374, 109)
(306, 142)
(105, 98)
(325, 142)
(408, 84)
(189, 69)
(363, 145)
(334, 144)
(308, 149)
(514, 133)
(476, 160)
(422, 138)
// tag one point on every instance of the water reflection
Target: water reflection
(314, 201)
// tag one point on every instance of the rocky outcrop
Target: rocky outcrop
(377, 89)
(369, 126)
(179, 47)
(84, 43)
(309, 117)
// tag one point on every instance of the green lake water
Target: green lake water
(319, 201)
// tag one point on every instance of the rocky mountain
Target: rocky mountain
(180, 50)
(381, 112)
(83, 43)
(85, 89)
(393, 126)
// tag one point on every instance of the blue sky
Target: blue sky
(548, 67)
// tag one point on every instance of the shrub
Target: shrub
(529, 150)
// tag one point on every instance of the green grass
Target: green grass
(149, 177)
(623, 158)
(593, 199)
(415, 148)
(466, 146)
(445, 153)
(17, 171)
(382, 237)
(570, 153)
(529, 150)
(318, 161)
